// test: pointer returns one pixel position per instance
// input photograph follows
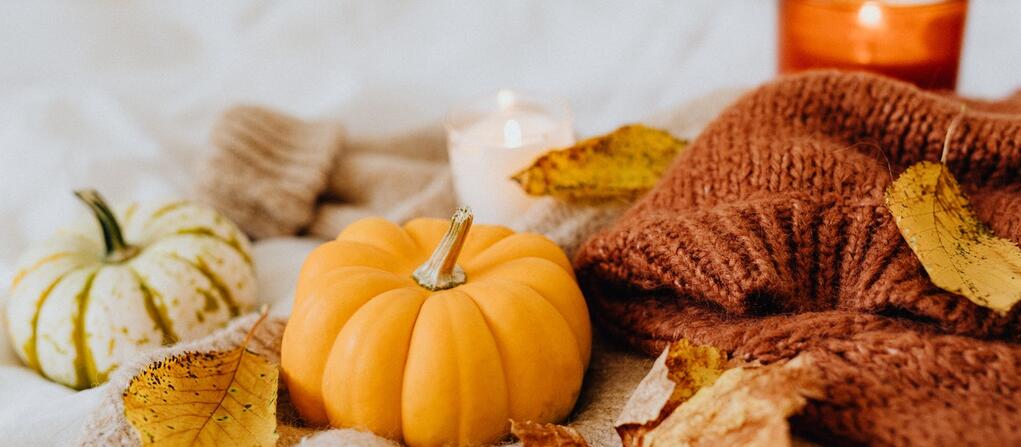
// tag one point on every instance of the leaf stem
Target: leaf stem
(263, 313)
(950, 133)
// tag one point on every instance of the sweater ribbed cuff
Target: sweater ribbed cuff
(266, 169)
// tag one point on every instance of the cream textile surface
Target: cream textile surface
(96, 414)
(93, 417)
(122, 97)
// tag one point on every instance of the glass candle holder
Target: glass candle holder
(494, 137)
(915, 41)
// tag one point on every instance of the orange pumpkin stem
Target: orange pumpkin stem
(117, 250)
(441, 270)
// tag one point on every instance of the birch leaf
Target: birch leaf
(205, 399)
(676, 375)
(960, 254)
(744, 407)
(534, 434)
(619, 165)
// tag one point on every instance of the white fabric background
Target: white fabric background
(121, 95)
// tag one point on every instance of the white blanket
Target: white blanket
(121, 96)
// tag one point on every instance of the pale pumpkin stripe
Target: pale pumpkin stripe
(214, 279)
(55, 340)
(155, 311)
(31, 352)
(148, 228)
(84, 364)
(159, 212)
(41, 262)
(129, 213)
(189, 300)
(232, 243)
(222, 267)
(189, 215)
(117, 323)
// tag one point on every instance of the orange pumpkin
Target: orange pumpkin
(434, 334)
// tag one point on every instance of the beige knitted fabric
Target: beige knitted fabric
(277, 175)
(611, 378)
(267, 169)
(398, 178)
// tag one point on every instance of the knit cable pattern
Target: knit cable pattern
(769, 237)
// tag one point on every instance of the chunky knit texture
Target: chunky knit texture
(267, 169)
(769, 237)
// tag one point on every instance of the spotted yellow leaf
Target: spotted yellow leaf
(619, 165)
(205, 399)
(960, 254)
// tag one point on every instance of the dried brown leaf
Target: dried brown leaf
(533, 434)
(678, 374)
(744, 407)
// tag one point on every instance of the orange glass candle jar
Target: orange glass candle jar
(915, 41)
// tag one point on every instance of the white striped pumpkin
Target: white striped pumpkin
(109, 287)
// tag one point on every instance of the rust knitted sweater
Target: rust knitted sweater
(769, 237)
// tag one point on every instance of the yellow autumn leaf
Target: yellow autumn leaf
(960, 254)
(205, 399)
(534, 434)
(677, 374)
(619, 165)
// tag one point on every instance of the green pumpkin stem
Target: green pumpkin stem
(441, 270)
(117, 249)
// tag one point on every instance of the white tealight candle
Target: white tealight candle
(492, 139)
